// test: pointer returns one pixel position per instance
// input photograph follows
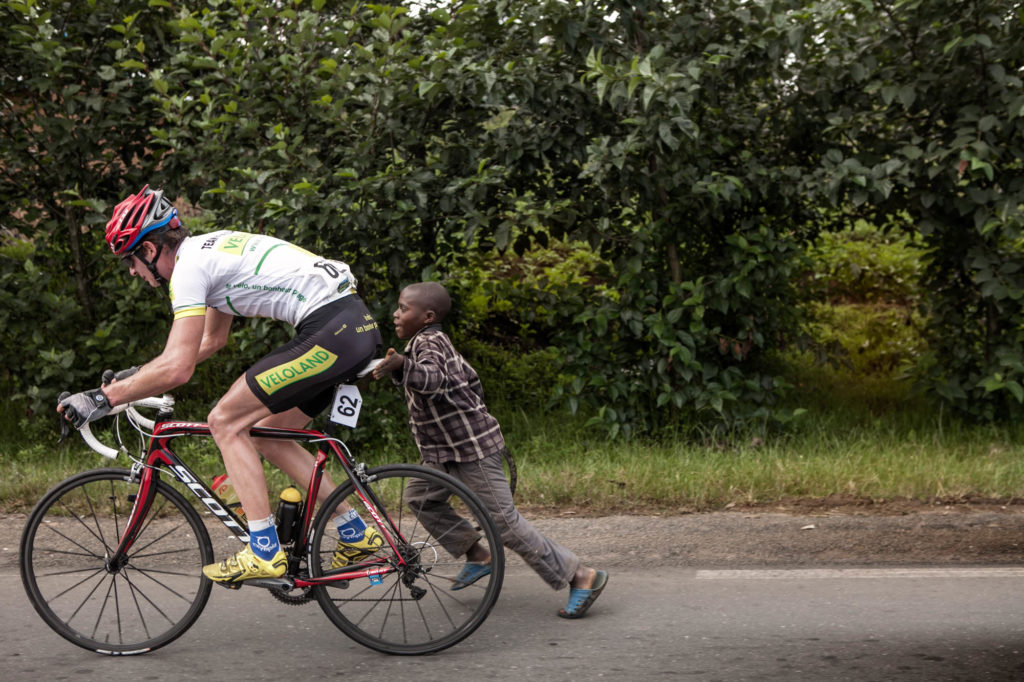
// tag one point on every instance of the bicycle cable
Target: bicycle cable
(141, 433)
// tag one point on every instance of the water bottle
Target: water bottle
(226, 492)
(287, 518)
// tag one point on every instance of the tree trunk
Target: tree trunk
(78, 260)
(673, 263)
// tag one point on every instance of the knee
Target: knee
(220, 425)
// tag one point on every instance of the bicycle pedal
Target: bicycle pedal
(230, 586)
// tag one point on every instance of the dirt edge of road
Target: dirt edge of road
(792, 533)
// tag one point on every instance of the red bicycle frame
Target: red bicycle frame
(161, 457)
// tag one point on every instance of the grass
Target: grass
(863, 437)
(867, 441)
(837, 456)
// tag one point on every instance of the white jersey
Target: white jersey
(252, 275)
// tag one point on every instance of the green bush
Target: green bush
(863, 264)
(513, 378)
(872, 339)
(506, 299)
(862, 296)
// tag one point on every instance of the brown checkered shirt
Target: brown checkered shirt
(447, 414)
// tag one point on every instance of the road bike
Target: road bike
(111, 559)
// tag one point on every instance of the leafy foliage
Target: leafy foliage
(74, 132)
(926, 117)
(696, 148)
(864, 265)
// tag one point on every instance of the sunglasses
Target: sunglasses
(127, 258)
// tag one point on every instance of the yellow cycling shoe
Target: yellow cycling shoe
(349, 553)
(245, 566)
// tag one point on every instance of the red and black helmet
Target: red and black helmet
(138, 216)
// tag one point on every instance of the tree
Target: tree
(926, 119)
(712, 203)
(695, 147)
(74, 130)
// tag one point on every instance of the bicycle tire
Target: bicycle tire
(511, 472)
(411, 610)
(148, 602)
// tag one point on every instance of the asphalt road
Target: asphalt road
(824, 594)
(682, 623)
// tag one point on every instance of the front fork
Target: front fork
(148, 478)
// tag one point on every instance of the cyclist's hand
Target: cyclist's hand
(82, 408)
(109, 376)
(392, 362)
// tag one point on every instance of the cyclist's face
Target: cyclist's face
(411, 315)
(137, 267)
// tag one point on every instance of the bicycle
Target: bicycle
(111, 559)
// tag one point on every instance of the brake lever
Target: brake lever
(65, 428)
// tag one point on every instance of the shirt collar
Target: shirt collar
(428, 328)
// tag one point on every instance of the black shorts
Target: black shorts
(330, 346)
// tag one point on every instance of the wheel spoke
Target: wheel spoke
(411, 610)
(123, 606)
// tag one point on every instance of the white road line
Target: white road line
(846, 573)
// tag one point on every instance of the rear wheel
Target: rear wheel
(407, 604)
(148, 601)
(509, 465)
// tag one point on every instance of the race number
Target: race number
(347, 402)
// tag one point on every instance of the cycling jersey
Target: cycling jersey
(251, 275)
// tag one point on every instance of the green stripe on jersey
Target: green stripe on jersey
(265, 254)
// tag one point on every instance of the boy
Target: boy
(456, 434)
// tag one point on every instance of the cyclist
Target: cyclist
(456, 434)
(211, 279)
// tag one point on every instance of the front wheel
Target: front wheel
(408, 599)
(144, 603)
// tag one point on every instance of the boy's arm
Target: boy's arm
(422, 371)
(424, 368)
(474, 382)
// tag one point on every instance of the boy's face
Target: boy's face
(411, 314)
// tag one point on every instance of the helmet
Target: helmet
(138, 216)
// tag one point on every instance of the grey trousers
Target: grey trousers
(555, 564)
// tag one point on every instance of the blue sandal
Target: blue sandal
(469, 574)
(580, 600)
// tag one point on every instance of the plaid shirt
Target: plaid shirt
(447, 415)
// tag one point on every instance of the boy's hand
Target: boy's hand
(392, 362)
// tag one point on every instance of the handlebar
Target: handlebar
(138, 420)
(95, 444)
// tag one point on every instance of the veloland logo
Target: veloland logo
(312, 363)
(235, 243)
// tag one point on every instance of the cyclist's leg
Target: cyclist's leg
(230, 420)
(289, 456)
